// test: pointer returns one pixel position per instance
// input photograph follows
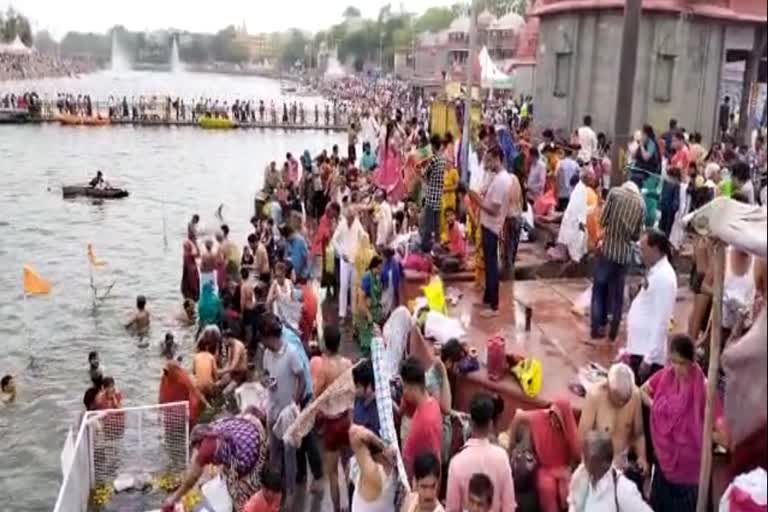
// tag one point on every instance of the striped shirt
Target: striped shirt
(622, 221)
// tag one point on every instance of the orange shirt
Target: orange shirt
(594, 232)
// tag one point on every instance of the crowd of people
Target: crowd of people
(35, 65)
(350, 226)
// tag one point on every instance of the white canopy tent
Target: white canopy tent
(491, 77)
(16, 47)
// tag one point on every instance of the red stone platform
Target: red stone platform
(557, 338)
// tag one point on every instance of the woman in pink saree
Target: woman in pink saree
(677, 396)
(389, 175)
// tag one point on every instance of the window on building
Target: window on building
(562, 73)
(665, 70)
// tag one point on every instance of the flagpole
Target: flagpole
(165, 232)
(27, 337)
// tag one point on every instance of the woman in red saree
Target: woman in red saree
(176, 385)
(555, 441)
(190, 275)
(389, 176)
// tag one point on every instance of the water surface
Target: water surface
(171, 174)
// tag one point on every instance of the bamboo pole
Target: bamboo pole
(705, 472)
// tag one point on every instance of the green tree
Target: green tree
(15, 24)
(460, 9)
(434, 19)
(78, 44)
(502, 7)
(294, 49)
(351, 12)
(45, 43)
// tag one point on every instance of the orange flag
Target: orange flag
(92, 257)
(34, 284)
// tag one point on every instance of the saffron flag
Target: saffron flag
(95, 262)
(34, 284)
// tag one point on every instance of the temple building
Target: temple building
(685, 50)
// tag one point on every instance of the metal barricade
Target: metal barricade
(147, 441)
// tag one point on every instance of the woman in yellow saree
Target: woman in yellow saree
(450, 188)
(474, 234)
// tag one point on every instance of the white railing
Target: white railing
(143, 442)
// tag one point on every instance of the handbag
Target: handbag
(524, 464)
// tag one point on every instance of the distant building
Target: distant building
(258, 46)
(444, 55)
(681, 56)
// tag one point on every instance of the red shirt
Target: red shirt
(681, 158)
(425, 434)
(457, 246)
(259, 502)
(322, 235)
(308, 312)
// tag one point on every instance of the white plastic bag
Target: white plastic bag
(216, 493)
(443, 328)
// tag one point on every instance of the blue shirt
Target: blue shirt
(566, 171)
(291, 338)
(366, 415)
(298, 253)
(368, 161)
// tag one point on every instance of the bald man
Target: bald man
(615, 408)
(597, 486)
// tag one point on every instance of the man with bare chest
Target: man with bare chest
(208, 263)
(615, 407)
(236, 370)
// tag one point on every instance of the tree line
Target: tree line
(357, 40)
(12, 24)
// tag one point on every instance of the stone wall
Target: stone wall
(679, 69)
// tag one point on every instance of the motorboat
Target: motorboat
(95, 192)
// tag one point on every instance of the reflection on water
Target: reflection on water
(171, 174)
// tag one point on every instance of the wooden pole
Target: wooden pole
(705, 472)
(622, 120)
(466, 139)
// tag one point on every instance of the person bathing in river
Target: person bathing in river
(7, 390)
(236, 370)
(208, 262)
(139, 322)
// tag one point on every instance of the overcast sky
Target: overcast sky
(60, 16)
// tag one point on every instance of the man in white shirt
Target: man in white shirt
(587, 140)
(492, 202)
(652, 309)
(384, 221)
(348, 235)
(596, 486)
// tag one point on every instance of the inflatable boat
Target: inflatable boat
(99, 193)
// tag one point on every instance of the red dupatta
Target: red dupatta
(557, 444)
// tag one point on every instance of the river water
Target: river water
(171, 174)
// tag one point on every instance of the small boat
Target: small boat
(216, 123)
(70, 120)
(14, 115)
(98, 193)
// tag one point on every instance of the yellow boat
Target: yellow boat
(216, 123)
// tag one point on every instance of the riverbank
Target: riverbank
(35, 66)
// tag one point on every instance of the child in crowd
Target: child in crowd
(270, 496)
(480, 496)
